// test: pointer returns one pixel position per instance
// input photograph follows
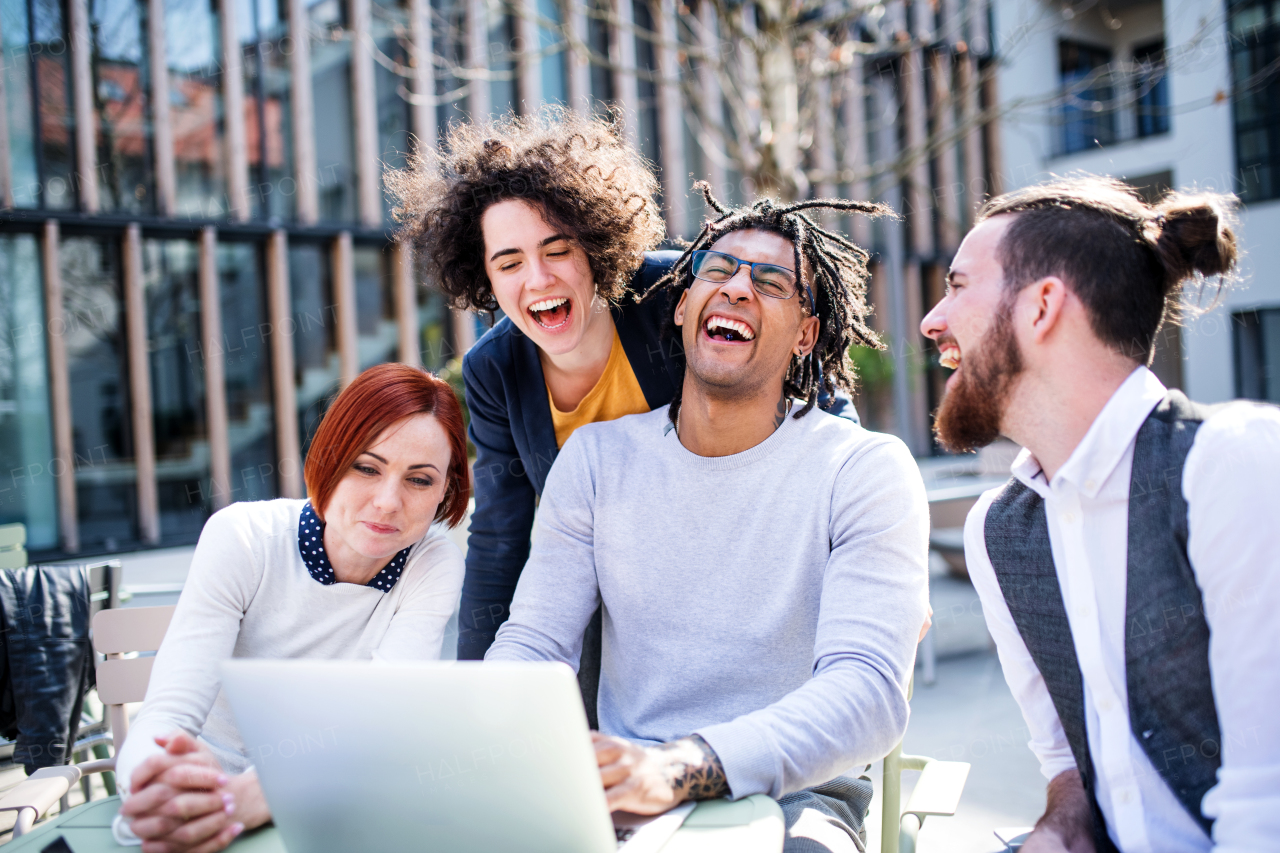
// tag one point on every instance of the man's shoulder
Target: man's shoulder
(627, 431)
(842, 439)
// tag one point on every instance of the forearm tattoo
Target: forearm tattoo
(695, 771)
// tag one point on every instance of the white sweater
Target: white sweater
(249, 595)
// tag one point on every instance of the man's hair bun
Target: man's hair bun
(1195, 236)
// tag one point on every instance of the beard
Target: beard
(971, 411)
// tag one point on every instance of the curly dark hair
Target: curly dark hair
(586, 179)
(833, 269)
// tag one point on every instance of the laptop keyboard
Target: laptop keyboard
(624, 834)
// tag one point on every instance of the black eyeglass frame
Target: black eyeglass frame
(695, 261)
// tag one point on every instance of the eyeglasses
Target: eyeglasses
(768, 279)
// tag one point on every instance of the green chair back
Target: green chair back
(13, 546)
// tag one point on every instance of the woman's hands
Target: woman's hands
(652, 779)
(182, 802)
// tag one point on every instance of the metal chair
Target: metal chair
(937, 792)
(13, 546)
(121, 680)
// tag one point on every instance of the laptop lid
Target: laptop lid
(464, 757)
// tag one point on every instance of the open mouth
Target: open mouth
(950, 356)
(552, 314)
(726, 330)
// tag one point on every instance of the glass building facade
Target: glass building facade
(197, 253)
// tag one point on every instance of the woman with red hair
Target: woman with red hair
(355, 571)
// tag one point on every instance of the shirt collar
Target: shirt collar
(316, 559)
(1102, 447)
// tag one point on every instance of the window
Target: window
(377, 335)
(37, 87)
(335, 120)
(1151, 89)
(1087, 118)
(390, 24)
(265, 47)
(1257, 345)
(172, 292)
(448, 28)
(554, 85)
(1255, 70)
(101, 412)
(121, 105)
(315, 335)
(251, 429)
(195, 106)
(27, 466)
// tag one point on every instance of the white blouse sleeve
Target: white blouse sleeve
(432, 586)
(225, 572)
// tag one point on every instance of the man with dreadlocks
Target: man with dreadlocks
(761, 565)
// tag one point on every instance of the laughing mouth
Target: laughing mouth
(731, 331)
(551, 314)
(950, 356)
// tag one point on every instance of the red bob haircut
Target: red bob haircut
(379, 397)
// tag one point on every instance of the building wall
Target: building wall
(1199, 149)
(200, 251)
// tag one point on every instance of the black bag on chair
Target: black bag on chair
(46, 661)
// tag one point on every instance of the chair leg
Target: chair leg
(26, 820)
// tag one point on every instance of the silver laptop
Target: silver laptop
(464, 757)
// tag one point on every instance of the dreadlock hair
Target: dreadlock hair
(833, 267)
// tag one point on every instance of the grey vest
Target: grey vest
(1171, 707)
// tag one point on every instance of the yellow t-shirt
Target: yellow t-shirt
(617, 393)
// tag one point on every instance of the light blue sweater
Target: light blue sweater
(769, 601)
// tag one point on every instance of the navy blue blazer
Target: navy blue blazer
(515, 443)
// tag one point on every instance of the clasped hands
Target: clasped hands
(182, 802)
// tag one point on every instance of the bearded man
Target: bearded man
(1129, 572)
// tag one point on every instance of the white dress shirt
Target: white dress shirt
(1231, 481)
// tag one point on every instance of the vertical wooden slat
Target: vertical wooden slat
(161, 120)
(578, 84)
(991, 133)
(233, 102)
(675, 178)
(424, 77)
(304, 133)
(60, 390)
(82, 98)
(144, 447)
(344, 297)
(712, 139)
(364, 96)
(283, 327)
(975, 188)
(919, 211)
(824, 144)
(622, 53)
(529, 63)
(406, 294)
(6, 169)
(215, 381)
(464, 331)
(944, 126)
(479, 103)
(854, 147)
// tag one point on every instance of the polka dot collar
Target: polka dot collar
(311, 547)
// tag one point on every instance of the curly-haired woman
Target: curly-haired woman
(552, 219)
